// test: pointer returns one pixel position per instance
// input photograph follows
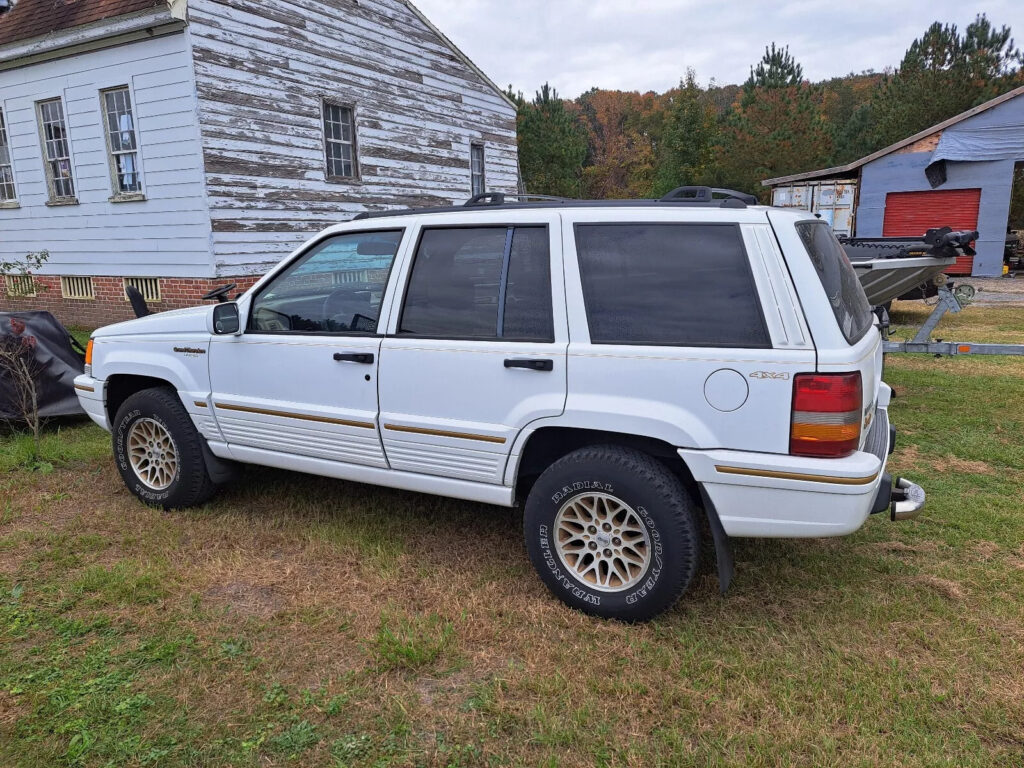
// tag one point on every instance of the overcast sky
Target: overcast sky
(648, 44)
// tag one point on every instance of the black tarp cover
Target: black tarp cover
(59, 360)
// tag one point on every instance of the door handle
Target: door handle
(532, 365)
(354, 357)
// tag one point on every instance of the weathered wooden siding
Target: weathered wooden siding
(261, 73)
(166, 235)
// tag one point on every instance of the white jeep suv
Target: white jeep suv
(621, 369)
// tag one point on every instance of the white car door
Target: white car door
(476, 347)
(302, 378)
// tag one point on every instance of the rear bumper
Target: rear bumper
(92, 397)
(772, 495)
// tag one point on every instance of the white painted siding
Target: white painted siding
(166, 235)
(261, 73)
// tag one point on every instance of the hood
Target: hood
(176, 321)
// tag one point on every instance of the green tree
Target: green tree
(552, 144)
(777, 128)
(688, 131)
(942, 74)
(777, 69)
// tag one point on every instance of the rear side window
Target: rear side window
(845, 295)
(481, 283)
(669, 285)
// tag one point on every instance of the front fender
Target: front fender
(182, 362)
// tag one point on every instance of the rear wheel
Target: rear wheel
(158, 451)
(612, 532)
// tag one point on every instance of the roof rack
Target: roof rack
(696, 196)
(727, 198)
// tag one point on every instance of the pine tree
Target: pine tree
(943, 74)
(777, 128)
(552, 144)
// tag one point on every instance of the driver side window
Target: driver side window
(336, 287)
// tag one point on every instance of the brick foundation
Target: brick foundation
(109, 304)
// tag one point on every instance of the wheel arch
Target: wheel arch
(121, 386)
(545, 445)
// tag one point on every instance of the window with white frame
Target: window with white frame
(476, 168)
(340, 141)
(7, 191)
(122, 145)
(56, 150)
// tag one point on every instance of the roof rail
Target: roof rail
(499, 198)
(683, 196)
(727, 198)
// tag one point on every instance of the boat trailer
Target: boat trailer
(951, 301)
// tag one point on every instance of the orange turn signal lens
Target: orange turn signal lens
(88, 353)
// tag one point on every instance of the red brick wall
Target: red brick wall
(109, 304)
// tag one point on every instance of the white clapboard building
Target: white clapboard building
(179, 144)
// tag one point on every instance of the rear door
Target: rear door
(476, 347)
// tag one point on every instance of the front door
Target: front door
(476, 350)
(302, 378)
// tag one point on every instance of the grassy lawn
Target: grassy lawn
(303, 621)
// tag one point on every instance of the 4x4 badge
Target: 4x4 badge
(769, 375)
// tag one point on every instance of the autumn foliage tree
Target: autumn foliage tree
(618, 144)
(620, 157)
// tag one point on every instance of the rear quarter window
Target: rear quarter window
(669, 285)
(838, 278)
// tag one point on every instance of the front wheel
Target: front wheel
(612, 532)
(158, 451)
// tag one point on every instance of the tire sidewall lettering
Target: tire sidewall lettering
(579, 486)
(135, 484)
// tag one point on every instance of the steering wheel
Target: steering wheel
(220, 293)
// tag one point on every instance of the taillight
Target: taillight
(827, 413)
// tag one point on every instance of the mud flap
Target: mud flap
(723, 550)
(221, 471)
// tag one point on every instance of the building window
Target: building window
(56, 151)
(476, 168)
(122, 146)
(7, 192)
(340, 141)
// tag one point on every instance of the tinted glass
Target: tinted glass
(846, 296)
(528, 287)
(459, 278)
(669, 284)
(336, 287)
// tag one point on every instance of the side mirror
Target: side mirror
(226, 320)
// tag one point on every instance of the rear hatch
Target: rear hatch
(853, 315)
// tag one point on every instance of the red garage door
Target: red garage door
(911, 214)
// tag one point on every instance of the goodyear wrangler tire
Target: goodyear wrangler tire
(158, 451)
(612, 532)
